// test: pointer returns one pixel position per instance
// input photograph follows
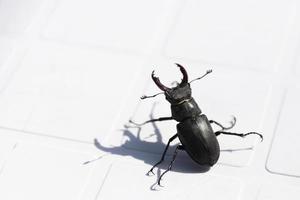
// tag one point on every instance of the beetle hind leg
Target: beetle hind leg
(239, 134)
(164, 154)
(179, 147)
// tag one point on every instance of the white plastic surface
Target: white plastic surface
(283, 157)
(271, 192)
(244, 34)
(37, 172)
(17, 15)
(129, 25)
(54, 97)
(72, 72)
(6, 47)
(6, 147)
(203, 185)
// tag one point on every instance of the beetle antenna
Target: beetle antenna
(145, 97)
(207, 72)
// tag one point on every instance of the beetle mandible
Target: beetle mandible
(194, 130)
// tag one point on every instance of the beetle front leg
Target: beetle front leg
(151, 120)
(232, 124)
(164, 154)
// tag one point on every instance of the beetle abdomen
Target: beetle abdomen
(199, 140)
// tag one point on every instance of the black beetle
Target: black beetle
(194, 129)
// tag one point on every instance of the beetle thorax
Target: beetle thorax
(178, 94)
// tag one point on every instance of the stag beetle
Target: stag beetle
(194, 129)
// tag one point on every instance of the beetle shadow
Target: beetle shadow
(134, 146)
(137, 148)
(140, 149)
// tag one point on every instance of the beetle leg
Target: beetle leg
(239, 134)
(151, 120)
(145, 96)
(164, 154)
(207, 72)
(179, 147)
(232, 124)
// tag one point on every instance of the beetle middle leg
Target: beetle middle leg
(151, 120)
(164, 154)
(232, 124)
(179, 147)
(239, 134)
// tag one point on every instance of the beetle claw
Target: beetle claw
(233, 121)
(150, 171)
(158, 182)
(233, 118)
(133, 124)
(260, 135)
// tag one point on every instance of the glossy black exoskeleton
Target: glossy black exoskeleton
(193, 129)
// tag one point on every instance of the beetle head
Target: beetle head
(177, 94)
